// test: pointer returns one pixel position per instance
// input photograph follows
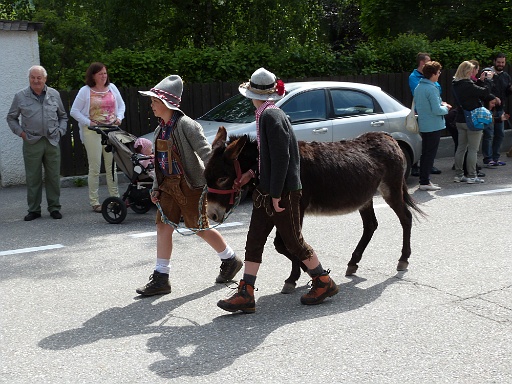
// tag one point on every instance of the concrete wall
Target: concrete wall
(19, 51)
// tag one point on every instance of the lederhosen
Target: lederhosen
(177, 198)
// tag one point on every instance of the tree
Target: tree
(16, 10)
(487, 22)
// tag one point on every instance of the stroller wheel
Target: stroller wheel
(114, 210)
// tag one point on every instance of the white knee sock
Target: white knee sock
(162, 265)
(226, 254)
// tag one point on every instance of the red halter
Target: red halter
(233, 190)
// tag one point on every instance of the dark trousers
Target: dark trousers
(287, 223)
(429, 145)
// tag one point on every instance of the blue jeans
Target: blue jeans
(493, 138)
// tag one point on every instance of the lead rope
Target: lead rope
(181, 229)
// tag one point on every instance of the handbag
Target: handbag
(468, 115)
(469, 120)
(411, 120)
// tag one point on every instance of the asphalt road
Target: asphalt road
(69, 312)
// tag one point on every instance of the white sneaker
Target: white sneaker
(460, 179)
(475, 180)
(429, 187)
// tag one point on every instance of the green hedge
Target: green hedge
(130, 68)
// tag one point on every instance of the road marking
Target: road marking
(32, 249)
(459, 195)
(184, 230)
(491, 191)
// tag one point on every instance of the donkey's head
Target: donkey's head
(221, 172)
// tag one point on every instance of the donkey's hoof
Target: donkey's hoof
(402, 265)
(288, 288)
(351, 269)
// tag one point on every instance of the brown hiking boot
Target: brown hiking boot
(322, 287)
(228, 269)
(243, 300)
(158, 285)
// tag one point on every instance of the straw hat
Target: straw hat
(169, 90)
(262, 86)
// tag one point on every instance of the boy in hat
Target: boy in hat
(277, 198)
(181, 150)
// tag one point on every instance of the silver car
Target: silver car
(324, 111)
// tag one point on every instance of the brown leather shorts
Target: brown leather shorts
(178, 200)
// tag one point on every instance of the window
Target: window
(350, 103)
(306, 106)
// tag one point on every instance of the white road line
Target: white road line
(491, 191)
(32, 249)
(459, 195)
(184, 230)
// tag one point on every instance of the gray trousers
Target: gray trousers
(469, 140)
(36, 156)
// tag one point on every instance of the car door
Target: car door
(308, 113)
(355, 112)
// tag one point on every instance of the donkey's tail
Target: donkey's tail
(410, 202)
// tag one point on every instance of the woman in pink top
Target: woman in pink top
(98, 103)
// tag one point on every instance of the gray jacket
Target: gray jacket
(48, 119)
(194, 151)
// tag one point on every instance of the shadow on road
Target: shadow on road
(196, 350)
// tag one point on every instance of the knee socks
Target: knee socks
(319, 270)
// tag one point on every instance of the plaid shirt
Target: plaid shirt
(481, 116)
(163, 157)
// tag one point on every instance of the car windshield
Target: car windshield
(237, 109)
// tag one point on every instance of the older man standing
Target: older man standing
(43, 122)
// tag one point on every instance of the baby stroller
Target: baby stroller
(120, 143)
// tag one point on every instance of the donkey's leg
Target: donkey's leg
(397, 202)
(291, 281)
(369, 226)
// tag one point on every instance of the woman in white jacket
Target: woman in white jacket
(98, 103)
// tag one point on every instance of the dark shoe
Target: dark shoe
(415, 171)
(243, 300)
(228, 269)
(158, 285)
(435, 171)
(32, 216)
(322, 287)
(480, 174)
(56, 215)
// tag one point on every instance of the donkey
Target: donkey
(337, 178)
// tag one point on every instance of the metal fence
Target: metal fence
(197, 99)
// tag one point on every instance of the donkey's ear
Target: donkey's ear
(233, 150)
(220, 137)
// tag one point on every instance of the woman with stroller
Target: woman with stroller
(98, 103)
(181, 149)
